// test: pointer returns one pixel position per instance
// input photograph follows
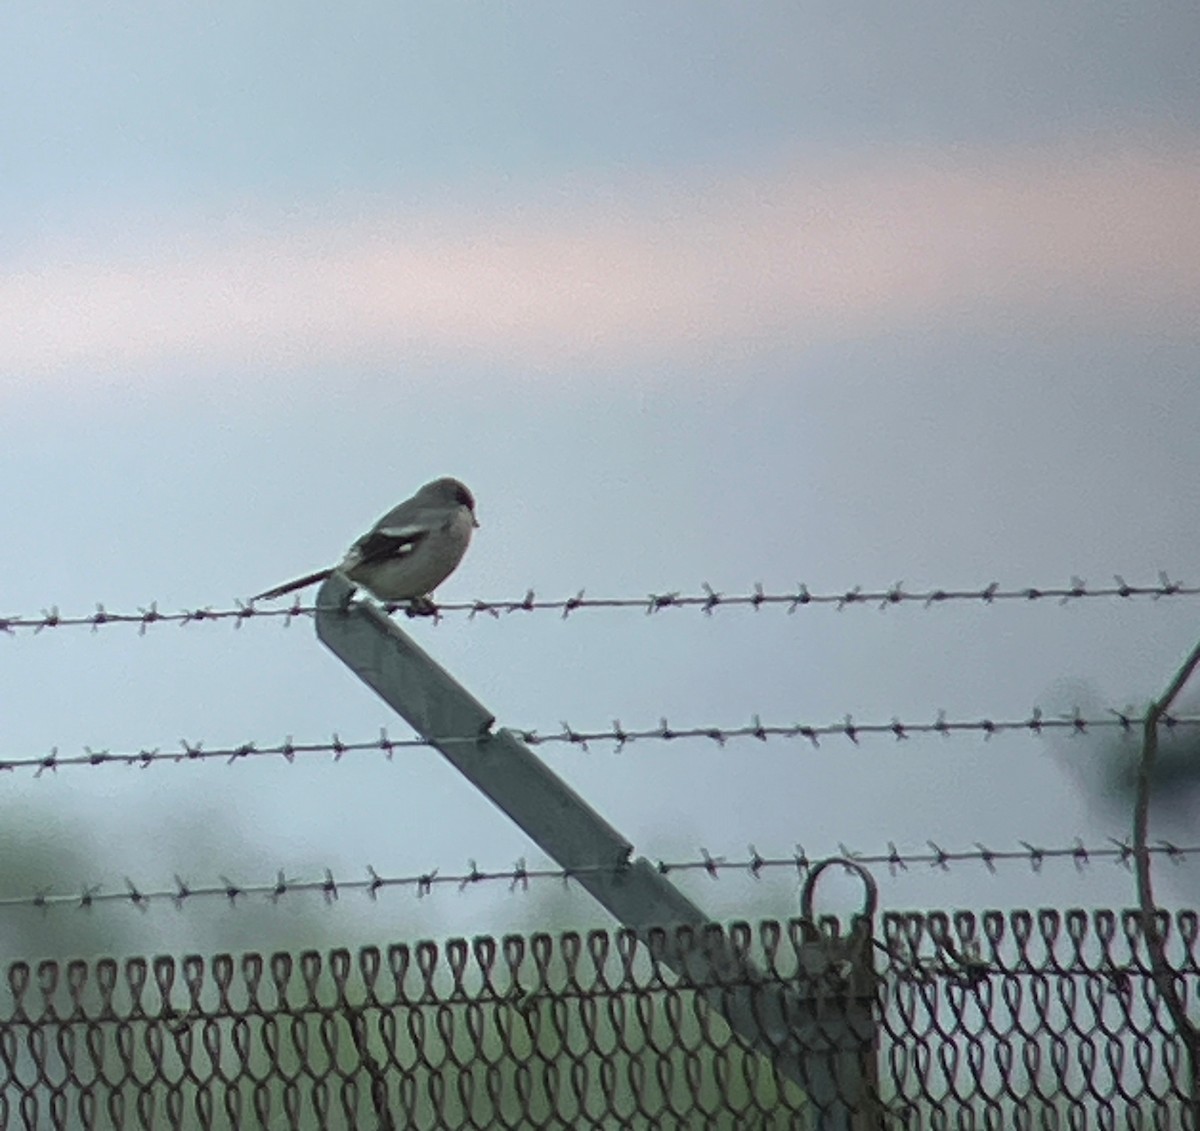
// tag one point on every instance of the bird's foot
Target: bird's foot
(421, 607)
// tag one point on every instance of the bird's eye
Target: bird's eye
(464, 497)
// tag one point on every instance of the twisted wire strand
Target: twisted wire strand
(1036, 724)
(708, 600)
(518, 877)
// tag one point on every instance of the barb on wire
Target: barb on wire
(1036, 724)
(707, 601)
(519, 876)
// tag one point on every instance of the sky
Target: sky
(728, 295)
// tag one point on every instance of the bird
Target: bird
(410, 551)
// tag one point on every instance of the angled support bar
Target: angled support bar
(809, 1039)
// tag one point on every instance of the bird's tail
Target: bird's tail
(288, 586)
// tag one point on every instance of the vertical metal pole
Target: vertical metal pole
(852, 1041)
(838, 1028)
(777, 1022)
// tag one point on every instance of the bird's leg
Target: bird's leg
(421, 607)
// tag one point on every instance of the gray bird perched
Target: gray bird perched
(410, 551)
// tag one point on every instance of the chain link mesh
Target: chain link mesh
(994, 1021)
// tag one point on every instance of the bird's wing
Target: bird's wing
(387, 542)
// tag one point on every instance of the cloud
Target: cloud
(800, 254)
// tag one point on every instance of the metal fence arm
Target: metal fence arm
(778, 1022)
(444, 713)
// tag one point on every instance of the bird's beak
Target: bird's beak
(475, 522)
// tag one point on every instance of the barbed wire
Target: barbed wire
(1036, 724)
(707, 601)
(519, 877)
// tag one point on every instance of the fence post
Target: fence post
(840, 969)
(798, 1032)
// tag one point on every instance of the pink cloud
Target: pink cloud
(795, 256)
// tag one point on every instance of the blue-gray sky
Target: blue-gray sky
(732, 295)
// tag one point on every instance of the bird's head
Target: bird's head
(450, 492)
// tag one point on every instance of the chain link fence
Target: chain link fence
(992, 1021)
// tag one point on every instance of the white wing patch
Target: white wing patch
(385, 544)
(401, 532)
